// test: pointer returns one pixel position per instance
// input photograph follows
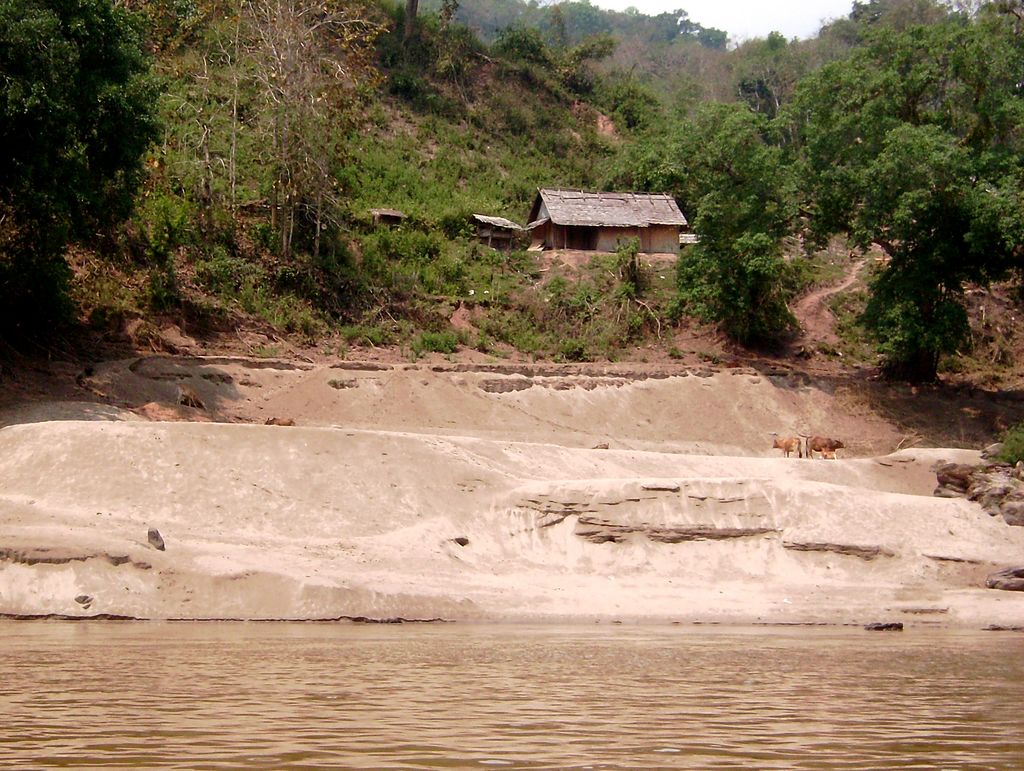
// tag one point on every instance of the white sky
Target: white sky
(744, 19)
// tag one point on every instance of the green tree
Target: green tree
(767, 72)
(741, 201)
(737, 192)
(76, 115)
(633, 104)
(915, 143)
(309, 58)
(575, 65)
(898, 14)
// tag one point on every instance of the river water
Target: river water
(268, 695)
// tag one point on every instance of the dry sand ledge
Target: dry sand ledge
(475, 496)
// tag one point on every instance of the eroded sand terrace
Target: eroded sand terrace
(479, 495)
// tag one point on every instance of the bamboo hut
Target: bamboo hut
(601, 222)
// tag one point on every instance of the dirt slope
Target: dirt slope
(817, 323)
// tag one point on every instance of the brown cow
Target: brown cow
(823, 445)
(280, 422)
(788, 444)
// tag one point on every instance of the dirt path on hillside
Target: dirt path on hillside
(817, 322)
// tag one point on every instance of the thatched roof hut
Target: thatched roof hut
(497, 232)
(577, 219)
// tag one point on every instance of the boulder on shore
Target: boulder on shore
(1009, 580)
(997, 487)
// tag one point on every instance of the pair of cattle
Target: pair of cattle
(822, 445)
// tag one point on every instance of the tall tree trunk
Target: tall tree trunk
(411, 8)
(232, 168)
(319, 225)
(206, 195)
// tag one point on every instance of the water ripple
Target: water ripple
(228, 696)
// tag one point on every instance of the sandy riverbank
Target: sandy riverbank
(479, 495)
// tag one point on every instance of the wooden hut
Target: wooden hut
(389, 217)
(497, 232)
(577, 219)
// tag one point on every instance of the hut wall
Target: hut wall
(568, 237)
(657, 238)
(663, 238)
(495, 237)
(609, 239)
(541, 236)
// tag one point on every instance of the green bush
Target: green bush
(264, 236)
(34, 291)
(361, 334)
(456, 224)
(166, 223)
(403, 245)
(524, 44)
(162, 291)
(408, 86)
(514, 327)
(438, 342)
(224, 273)
(1013, 445)
(573, 349)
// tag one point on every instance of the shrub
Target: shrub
(439, 342)
(361, 334)
(33, 291)
(162, 291)
(264, 236)
(573, 349)
(525, 45)
(456, 224)
(408, 86)
(1013, 445)
(165, 222)
(223, 273)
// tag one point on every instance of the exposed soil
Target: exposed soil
(817, 323)
(959, 412)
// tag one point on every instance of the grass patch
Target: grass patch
(854, 343)
(436, 342)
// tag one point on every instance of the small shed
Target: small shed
(601, 222)
(387, 216)
(497, 232)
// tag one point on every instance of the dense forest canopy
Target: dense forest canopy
(76, 115)
(235, 148)
(572, 22)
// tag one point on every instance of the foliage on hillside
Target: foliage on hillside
(76, 114)
(283, 123)
(915, 143)
(251, 206)
(570, 23)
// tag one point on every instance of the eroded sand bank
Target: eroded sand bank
(489, 505)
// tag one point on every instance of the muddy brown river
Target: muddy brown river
(267, 695)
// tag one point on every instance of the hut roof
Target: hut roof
(579, 207)
(498, 222)
(388, 213)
